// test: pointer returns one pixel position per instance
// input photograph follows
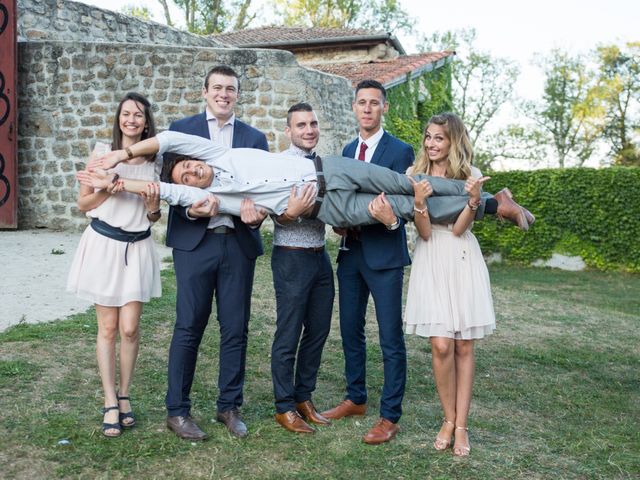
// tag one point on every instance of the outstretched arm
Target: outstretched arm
(147, 147)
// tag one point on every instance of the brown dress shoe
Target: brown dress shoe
(308, 411)
(293, 422)
(345, 408)
(508, 209)
(383, 431)
(233, 421)
(527, 214)
(186, 428)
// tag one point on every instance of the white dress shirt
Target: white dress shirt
(372, 143)
(266, 177)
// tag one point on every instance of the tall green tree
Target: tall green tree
(139, 12)
(481, 83)
(619, 78)
(570, 114)
(206, 17)
(387, 15)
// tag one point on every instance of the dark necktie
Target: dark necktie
(363, 148)
(310, 156)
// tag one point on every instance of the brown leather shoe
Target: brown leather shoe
(383, 431)
(308, 411)
(293, 422)
(345, 408)
(186, 428)
(233, 421)
(527, 214)
(508, 209)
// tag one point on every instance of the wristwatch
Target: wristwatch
(394, 226)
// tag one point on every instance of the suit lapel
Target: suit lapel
(350, 151)
(238, 135)
(378, 155)
(202, 127)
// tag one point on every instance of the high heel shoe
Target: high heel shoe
(465, 450)
(126, 415)
(441, 444)
(111, 426)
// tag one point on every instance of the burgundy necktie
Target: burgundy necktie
(363, 148)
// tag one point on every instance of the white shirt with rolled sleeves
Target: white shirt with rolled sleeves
(265, 177)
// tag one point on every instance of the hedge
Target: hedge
(593, 213)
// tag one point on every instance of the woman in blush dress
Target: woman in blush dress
(449, 294)
(116, 265)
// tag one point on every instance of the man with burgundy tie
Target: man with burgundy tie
(373, 263)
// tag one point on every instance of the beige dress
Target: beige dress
(449, 293)
(98, 272)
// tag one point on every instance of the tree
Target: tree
(619, 80)
(205, 17)
(385, 15)
(481, 84)
(571, 113)
(142, 13)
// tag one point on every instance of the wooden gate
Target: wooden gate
(8, 115)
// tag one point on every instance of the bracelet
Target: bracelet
(129, 152)
(473, 206)
(422, 212)
(154, 213)
(115, 178)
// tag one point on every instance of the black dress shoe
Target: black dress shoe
(233, 421)
(186, 428)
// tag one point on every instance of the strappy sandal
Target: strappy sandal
(462, 451)
(441, 444)
(111, 426)
(126, 416)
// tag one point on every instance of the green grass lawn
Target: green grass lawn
(557, 395)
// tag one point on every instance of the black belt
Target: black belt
(322, 187)
(221, 230)
(115, 233)
(303, 249)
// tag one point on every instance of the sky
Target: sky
(505, 28)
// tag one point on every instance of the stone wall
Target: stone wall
(338, 55)
(72, 21)
(69, 90)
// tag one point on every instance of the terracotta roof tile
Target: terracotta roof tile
(387, 72)
(269, 35)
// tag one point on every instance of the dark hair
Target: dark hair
(221, 70)
(168, 166)
(149, 127)
(372, 84)
(298, 107)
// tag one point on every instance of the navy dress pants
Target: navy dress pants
(217, 267)
(356, 281)
(303, 281)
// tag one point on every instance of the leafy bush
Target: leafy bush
(593, 213)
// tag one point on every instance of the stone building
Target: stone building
(75, 62)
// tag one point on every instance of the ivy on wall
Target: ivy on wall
(413, 102)
(593, 213)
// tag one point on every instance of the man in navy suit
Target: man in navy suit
(212, 254)
(374, 264)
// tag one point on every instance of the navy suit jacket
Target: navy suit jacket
(381, 248)
(186, 234)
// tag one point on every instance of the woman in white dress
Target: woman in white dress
(116, 265)
(449, 295)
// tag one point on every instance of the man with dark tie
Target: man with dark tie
(303, 282)
(373, 263)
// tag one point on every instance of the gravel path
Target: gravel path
(33, 276)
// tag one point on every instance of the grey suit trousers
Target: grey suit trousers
(352, 184)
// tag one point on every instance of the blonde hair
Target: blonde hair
(460, 152)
